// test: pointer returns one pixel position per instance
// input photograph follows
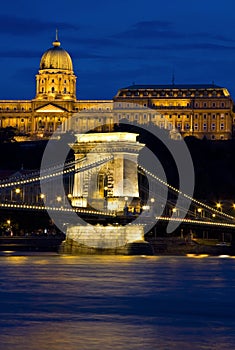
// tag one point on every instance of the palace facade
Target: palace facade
(191, 110)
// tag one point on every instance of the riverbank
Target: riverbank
(180, 247)
(34, 244)
(160, 246)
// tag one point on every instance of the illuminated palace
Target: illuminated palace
(197, 110)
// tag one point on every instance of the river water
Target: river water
(52, 302)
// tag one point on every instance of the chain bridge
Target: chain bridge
(102, 182)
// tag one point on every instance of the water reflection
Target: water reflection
(58, 302)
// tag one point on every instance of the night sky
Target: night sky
(116, 43)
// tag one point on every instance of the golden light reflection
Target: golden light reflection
(15, 259)
(197, 256)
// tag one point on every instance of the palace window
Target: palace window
(222, 104)
(204, 116)
(136, 116)
(196, 116)
(52, 89)
(65, 90)
(22, 120)
(204, 126)
(179, 126)
(213, 116)
(222, 115)
(196, 104)
(204, 104)
(52, 81)
(213, 126)
(145, 116)
(213, 104)
(222, 126)
(187, 127)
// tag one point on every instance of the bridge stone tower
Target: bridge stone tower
(114, 178)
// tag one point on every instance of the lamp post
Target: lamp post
(9, 228)
(174, 210)
(219, 206)
(199, 210)
(105, 197)
(59, 199)
(126, 206)
(41, 197)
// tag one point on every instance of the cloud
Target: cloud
(92, 42)
(20, 54)
(149, 29)
(164, 30)
(18, 26)
(189, 46)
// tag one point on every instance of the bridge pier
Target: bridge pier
(111, 185)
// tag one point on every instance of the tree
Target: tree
(8, 134)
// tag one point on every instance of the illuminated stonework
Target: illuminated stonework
(114, 180)
(56, 79)
(105, 237)
(191, 110)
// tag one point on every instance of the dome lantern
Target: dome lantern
(56, 42)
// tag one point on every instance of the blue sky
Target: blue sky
(114, 44)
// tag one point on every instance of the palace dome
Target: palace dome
(56, 58)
